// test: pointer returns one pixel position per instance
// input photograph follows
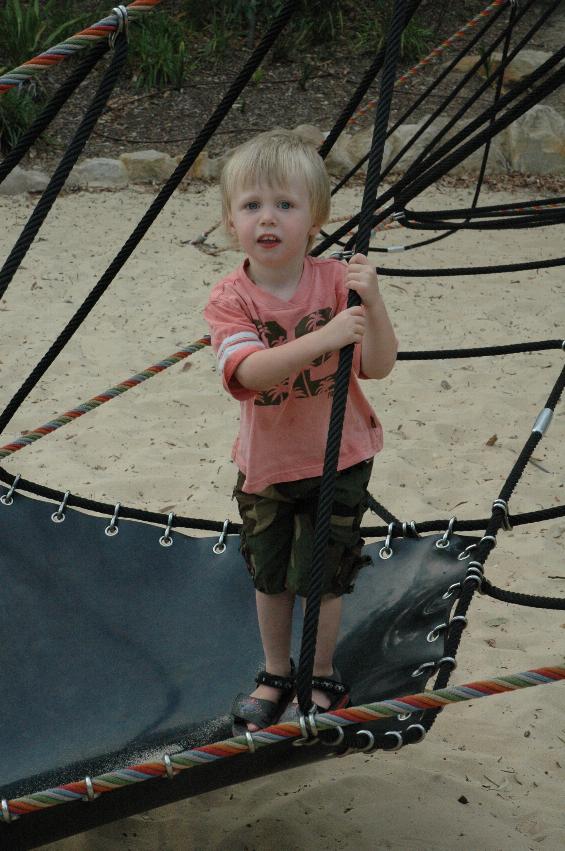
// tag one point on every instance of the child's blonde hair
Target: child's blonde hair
(274, 158)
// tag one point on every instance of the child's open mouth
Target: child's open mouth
(268, 240)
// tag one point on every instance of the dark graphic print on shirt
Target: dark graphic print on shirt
(308, 382)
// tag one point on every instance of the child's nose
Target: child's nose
(267, 214)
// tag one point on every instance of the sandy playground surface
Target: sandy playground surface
(165, 446)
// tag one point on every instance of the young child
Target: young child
(277, 325)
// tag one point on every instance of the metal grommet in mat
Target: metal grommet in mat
(166, 540)
(220, 546)
(112, 528)
(59, 515)
(8, 497)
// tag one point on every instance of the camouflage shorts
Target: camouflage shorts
(278, 532)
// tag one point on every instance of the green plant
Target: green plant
(27, 28)
(158, 51)
(415, 40)
(17, 111)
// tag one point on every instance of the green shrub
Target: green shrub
(157, 52)
(18, 109)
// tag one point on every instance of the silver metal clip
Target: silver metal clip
(443, 543)
(112, 528)
(59, 515)
(169, 767)
(166, 540)
(502, 505)
(7, 816)
(387, 551)
(8, 497)
(220, 547)
(91, 795)
(122, 24)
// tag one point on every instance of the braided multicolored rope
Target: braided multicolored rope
(101, 398)
(436, 53)
(59, 52)
(174, 763)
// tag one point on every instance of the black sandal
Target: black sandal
(256, 710)
(332, 686)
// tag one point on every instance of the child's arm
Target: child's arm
(263, 369)
(379, 346)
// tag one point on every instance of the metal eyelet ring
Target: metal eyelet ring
(337, 741)
(387, 551)
(59, 515)
(419, 727)
(434, 633)
(502, 505)
(405, 716)
(489, 538)
(445, 659)
(399, 740)
(472, 577)
(91, 795)
(121, 14)
(220, 547)
(8, 497)
(112, 528)
(423, 668)
(370, 741)
(250, 742)
(7, 816)
(169, 767)
(466, 553)
(461, 618)
(451, 591)
(309, 734)
(443, 542)
(166, 540)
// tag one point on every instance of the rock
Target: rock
(21, 180)
(536, 142)
(360, 143)
(521, 66)
(101, 172)
(339, 160)
(36, 180)
(147, 166)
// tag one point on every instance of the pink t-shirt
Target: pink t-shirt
(283, 430)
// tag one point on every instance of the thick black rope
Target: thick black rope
(538, 220)
(327, 486)
(449, 155)
(66, 164)
(509, 209)
(360, 92)
(471, 270)
(447, 101)
(420, 100)
(149, 217)
(51, 109)
(483, 351)
(497, 74)
(484, 548)
(519, 599)
(181, 522)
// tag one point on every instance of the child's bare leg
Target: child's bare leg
(274, 612)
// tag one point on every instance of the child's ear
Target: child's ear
(314, 230)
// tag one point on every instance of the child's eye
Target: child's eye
(252, 205)
(285, 205)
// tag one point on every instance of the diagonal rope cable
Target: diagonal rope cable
(327, 485)
(101, 398)
(155, 208)
(59, 52)
(71, 155)
(173, 763)
(51, 109)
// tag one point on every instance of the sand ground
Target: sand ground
(165, 446)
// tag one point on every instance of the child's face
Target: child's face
(273, 224)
